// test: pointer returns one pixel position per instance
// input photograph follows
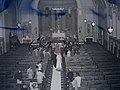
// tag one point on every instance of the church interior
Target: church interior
(59, 44)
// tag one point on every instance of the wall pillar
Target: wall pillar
(118, 29)
(114, 24)
(79, 25)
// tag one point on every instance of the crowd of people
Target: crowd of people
(35, 77)
(53, 50)
(44, 45)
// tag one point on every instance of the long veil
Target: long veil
(59, 62)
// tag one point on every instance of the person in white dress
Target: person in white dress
(36, 52)
(59, 62)
(69, 53)
(30, 73)
(39, 65)
(40, 76)
(77, 82)
(44, 52)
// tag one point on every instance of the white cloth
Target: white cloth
(40, 76)
(30, 73)
(68, 54)
(59, 62)
(44, 53)
(78, 81)
(36, 52)
(19, 81)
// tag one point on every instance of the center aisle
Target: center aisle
(56, 80)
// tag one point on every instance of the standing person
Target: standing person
(53, 58)
(36, 52)
(69, 53)
(59, 62)
(40, 76)
(41, 54)
(72, 52)
(57, 48)
(70, 75)
(77, 82)
(18, 77)
(39, 65)
(30, 73)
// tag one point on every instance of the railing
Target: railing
(64, 74)
(46, 84)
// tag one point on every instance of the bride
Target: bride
(59, 62)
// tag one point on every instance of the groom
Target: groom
(53, 57)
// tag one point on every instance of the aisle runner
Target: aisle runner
(56, 80)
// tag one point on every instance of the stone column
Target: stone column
(118, 29)
(114, 19)
(53, 20)
(79, 25)
(4, 34)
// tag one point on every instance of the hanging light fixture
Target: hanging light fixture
(29, 17)
(29, 21)
(93, 24)
(85, 20)
(19, 25)
(110, 30)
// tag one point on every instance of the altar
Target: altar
(58, 34)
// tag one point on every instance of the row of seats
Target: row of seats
(93, 79)
(108, 64)
(17, 60)
(8, 65)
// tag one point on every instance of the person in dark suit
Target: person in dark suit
(70, 75)
(53, 58)
(18, 77)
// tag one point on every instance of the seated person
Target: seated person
(30, 73)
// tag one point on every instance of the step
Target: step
(99, 77)
(114, 81)
(96, 82)
(112, 77)
(115, 86)
(111, 72)
(110, 69)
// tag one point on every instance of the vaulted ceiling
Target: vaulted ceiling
(64, 3)
(57, 4)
